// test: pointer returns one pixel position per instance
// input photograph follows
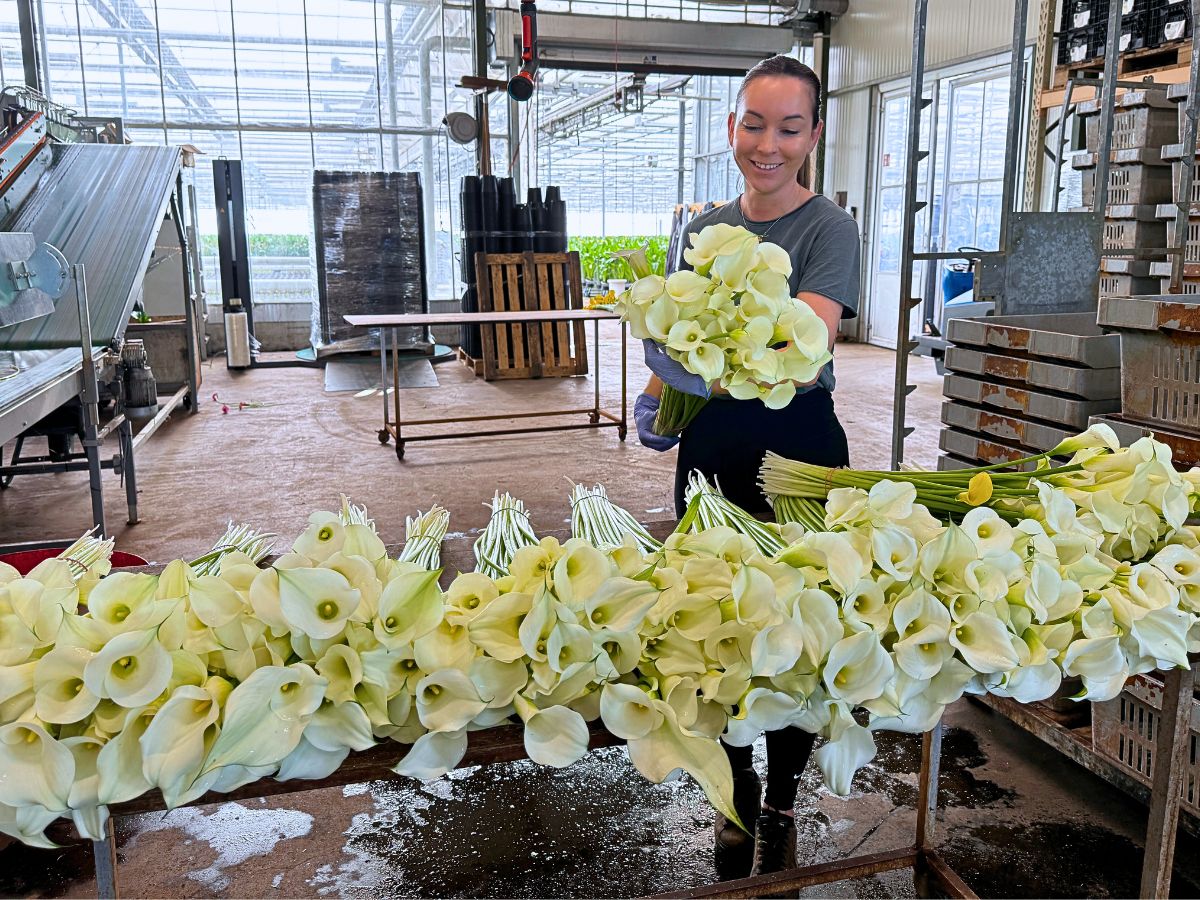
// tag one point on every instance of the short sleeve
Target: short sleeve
(831, 268)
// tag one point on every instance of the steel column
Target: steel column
(1171, 748)
(29, 56)
(89, 397)
(1108, 99)
(105, 854)
(1016, 97)
(1035, 149)
(912, 161)
(1183, 188)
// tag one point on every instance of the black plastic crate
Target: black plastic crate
(1079, 45)
(1135, 31)
(1170, 22)
(1083, 13)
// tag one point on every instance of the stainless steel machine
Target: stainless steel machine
(79, 221)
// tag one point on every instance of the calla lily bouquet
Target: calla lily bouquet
(875, 618)
(731, 319)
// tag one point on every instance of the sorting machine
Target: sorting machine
(79, 224)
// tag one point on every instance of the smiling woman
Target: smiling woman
(772, 132)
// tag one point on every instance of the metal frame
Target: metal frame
(393, 420)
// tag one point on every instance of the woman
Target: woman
(773, 129)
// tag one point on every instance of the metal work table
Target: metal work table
(393, 420)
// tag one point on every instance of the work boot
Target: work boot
(774, 845)
(733, 849)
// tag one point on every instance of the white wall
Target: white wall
(873, 41)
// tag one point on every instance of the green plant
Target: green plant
(263, 244)
(595, 253)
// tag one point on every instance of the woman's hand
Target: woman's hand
(645, 410)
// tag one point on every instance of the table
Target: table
(393, 421)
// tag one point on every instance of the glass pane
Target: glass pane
(277, 174)
(961, 207)
(11, 69)
(987, 220)
(342, 59)
(62, 70)
(966, 125)
(213, 144)
(995, 129)
(272, 74)
(198, 64)
(891, 216)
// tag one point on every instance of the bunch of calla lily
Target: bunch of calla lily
(731, 319)
(187, 683)
(603, 524)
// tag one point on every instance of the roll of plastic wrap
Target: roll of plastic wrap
(237, 341)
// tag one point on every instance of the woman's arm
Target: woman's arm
(654, 386)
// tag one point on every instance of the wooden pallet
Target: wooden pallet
(511, 282)
(1132, 64)
(475, 365)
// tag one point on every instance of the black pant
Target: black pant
(727, 441)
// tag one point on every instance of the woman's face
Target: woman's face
(772, 131)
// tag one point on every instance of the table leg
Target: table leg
(105, 854)
(927, 787)
(595, 417)
(1174, 731)
(396, 394)
(383, 351)
(623, 429)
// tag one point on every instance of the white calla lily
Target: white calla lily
(433, 755)
(857, 669)
(35, 768)
(316, 602)
(555, 736)
(132, 669)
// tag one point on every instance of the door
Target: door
(883, 305)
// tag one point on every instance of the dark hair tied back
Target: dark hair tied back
(789, 67)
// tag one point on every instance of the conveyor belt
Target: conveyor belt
(38, 389)
(102, 206)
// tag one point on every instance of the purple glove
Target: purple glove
(672, 372)
(645, 408)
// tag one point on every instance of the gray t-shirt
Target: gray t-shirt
(822, 239)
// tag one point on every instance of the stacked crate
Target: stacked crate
(1145, 24)
(1173, 154)
(1019, 385)
(1160, 370)
(1139, 181)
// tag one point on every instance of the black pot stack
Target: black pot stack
(493, 222)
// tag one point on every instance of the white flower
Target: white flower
(61, 695)
(447, 700)
(316, 602)
(35, 769)
(858, 668)
(850, 747)
(555, 736)
(984, 642)
(132, 669)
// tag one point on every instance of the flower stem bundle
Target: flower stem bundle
(351, 514)
(676, 410)
(86, 552)
(806, 512)
(708, 508)
(423, 538)
(237, 538)
(603, 524)
(507, 531)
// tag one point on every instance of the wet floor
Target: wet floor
(1018, 820)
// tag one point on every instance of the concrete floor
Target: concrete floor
(1019, 820)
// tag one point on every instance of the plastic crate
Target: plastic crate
(1006, 427)
(1150, 123)
(1075, 381)
(1160, 358)
(1080, 45)
(1130, 184)
(985, 451)
(1162, 271)
(1132, 234)
(1191, 246)
(1082, 13)
(1125, 730)
(1185, 448)
(1034, 404)
(1069, 337)
(1127, 285)
(1169, 23)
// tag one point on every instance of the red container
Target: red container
(26, 560)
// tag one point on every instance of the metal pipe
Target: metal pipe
(1016, 96)
(1108, 97)
(28, 44)
(916, 102)
(429, 131)
(390, 49)
(164, 413)
(1061, 142)
(89, 397)
(681, 159)
(1187, 175)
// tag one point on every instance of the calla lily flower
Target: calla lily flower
(447, 646)
(132, 669)
(667, 748)
(176, 741)
(628, 711)
(1100, 663)
(17, 691)
(35, 769)
(467, 596)
(447, 700)
(337, 727)
(316, 602)
(496, 630)
(119, 763)
(555, 736)
(985, 644)
(433, 755)
(214, 601)
(850, 747)
(324, 537)
(620, 604)
(857, 669)
(27, 823)
(61, 695)
(762, 709)
(342, 668)
(410, 607)
(265, 717)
